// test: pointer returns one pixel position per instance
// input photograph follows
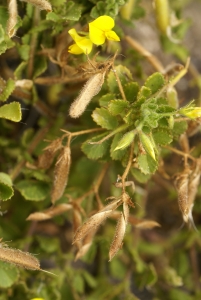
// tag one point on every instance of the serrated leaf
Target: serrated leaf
(147, 164)
(104, 100)
(117, 154)
(126, 140)
(139, 176)
(8, 274)
(103, 118)
(8, 89)
(33, 190)
(40, 65)
(131, 90)
(143, 93)
(73, 11)
(6, 190)
(179, 128)
(95, 151)
(155, 82)
(11, 112)
(162, 136)
(124, 76)
(118, 107)
(53, 17)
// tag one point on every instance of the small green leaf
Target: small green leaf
(8, 274)
(103, 118)
(91, 281)
(40, 65)
(8, 89)
(155, 82)
(124, 76)
(118, 107)
(11, 112)
(73, 11)
(33, 190)
(19, 70)
(24, 51)
(126, 140)
(139, 176)
(162, 136)
(144, 92)
(95, 151)
(6, 190)
(104, 100)
(53, 17)
(179, 128)
(147, 164)
(131, 90)
(117, 154)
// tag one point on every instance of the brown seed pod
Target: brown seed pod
(90, 89)
(50, 212)
(118, 237)
(41, 4)
(91, 224)
(61, 172)
(46, 158)
(12, 20)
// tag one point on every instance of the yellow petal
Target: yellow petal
(104, 23)
(75, 49)
(112, 36)
(73, 33)
(85, 44)
(96, 35)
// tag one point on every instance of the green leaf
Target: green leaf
(126, 140)
(6, 190)
(117, 154)
(8, 89)
(179, 128)
(103, 118)
(124, 75)
(162, 136)
(143, 93)
(155, 82)
(118, 107)
(73, 11)
(33, 190)
(19, 70)
(91, 281)
(78, 283)
(131, 90)
(139, 176)
(3, 16)
(40, 65)
(24, 51)
(148, 144)
(147, 164)
(11, 112)
(95, 151)
(47, 244)
(53, 17)
(104, 100)
(8, 275)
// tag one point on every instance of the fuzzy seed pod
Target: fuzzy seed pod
(61, 172)
(50, 212)
(41, 4)
(12, 20)
(46, 158)
(90, 89)
(118, 237)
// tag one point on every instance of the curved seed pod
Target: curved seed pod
(90, 89)
(50, 212)
(118, 237)
(162, 15)
(12, 20)
(46, 158)
(41, 4)
(91, 224)
(148, 144)
(61, 172)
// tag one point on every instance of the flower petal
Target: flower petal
(112, 36)
(73, 33)
(85, 44)
(104, 23)
(96, 35)
(75, 49)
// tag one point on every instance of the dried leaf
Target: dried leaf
(41, 4)
(12, 20)
(61, 172)
(91, 224)
(118, 237)
(49, 213)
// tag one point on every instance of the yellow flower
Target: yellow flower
(192, 113)
(100, 29)
(82, 43)
(37, 299)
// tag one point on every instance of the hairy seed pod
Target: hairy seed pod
(90, 89)
(91, 224)
(46, 158)
(61, 172)
(41, 4)
(118, 237)
(50, 212)
(19, 258)
(12, 20)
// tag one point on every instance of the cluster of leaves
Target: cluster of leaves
(57, 179)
